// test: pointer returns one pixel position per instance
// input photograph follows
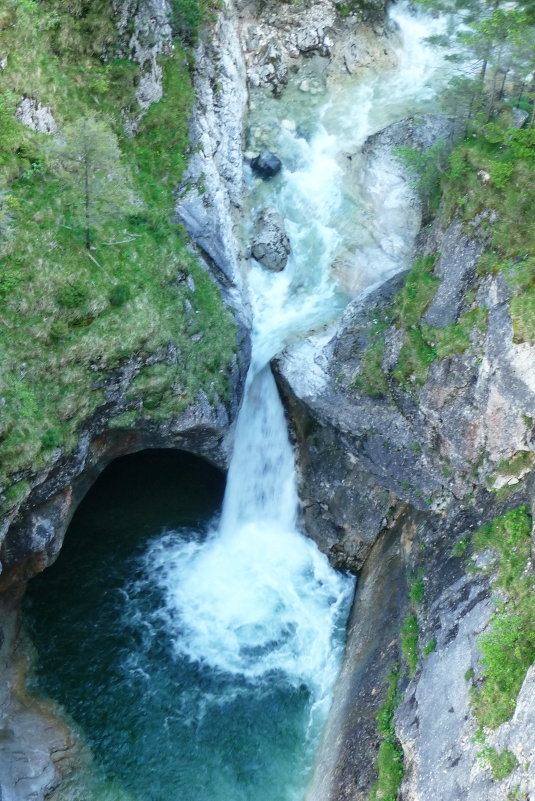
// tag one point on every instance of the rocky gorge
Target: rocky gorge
(399, 456)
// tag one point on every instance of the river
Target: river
(198, 658)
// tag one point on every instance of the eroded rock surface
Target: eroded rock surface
(212, 191)
(276, 40)
(146, 34)
(270, 245)
(36, 116)
(431, 445)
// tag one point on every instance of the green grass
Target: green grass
(70, 321)
(504, 201)
(501, 763)
(420, 287)
(459, 549)
(520, 461)
(371, 380)
(409, 643)
(422, 343)
(507, 155)
(390, 755)
(415, 358)
(416, 588)
(429, 647)
(508, 646)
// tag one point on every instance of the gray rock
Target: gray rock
(211, 194)
(146, 35)
(519, 118)
(266, 164)
(270, 245)
(419, 132)
(36, 116)
(456, 266)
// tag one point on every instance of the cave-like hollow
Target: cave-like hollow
(113, 650)
(77, 613)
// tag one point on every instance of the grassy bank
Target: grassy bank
(72, 316)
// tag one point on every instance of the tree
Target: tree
(97, 184)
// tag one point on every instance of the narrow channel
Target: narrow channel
(198, 655)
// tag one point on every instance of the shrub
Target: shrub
(501, 763)
(390, 755)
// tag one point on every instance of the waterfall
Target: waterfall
(256, 600)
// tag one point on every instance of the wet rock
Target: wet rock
(266, 164)
(270, 245)
(419, 132)
(277, 38)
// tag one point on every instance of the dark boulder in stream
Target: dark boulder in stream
(266, 164)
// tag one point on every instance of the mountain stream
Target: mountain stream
(197, 650)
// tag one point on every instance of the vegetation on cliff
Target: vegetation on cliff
(94, 277)
(486, 180)
(507, 647)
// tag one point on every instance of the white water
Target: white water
(257, 599)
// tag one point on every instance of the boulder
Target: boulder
(270, 245)
(266, 164)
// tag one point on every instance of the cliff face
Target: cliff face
(413, 421)
(404, 443)
(145, 395)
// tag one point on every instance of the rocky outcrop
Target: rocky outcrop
(266, 164)
(145, 34)
(36, 116)
(212, 190)
(396, 463)
(32, 533)
(270, 245)
(430, 443)
(434, 724)
(276, 40)
(37, 749)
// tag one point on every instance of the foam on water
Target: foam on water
(256, 599)
(240, 629)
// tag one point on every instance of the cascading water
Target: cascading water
(248, 618)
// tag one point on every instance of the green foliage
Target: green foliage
(520, 275)
(371, 380)
(94, 182)
(429, 647)
(50, 439)
(14, 495)
(415, 358)
(508, 647)
(422, 343)
(70, 315)
(459, 549)
(420, 286)
(187, 16)
(119, 294)
(522, 460)
(455, 338)
(426, 168)
(416, 588)
(390, 755)
(501, 763)
(409, 643)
